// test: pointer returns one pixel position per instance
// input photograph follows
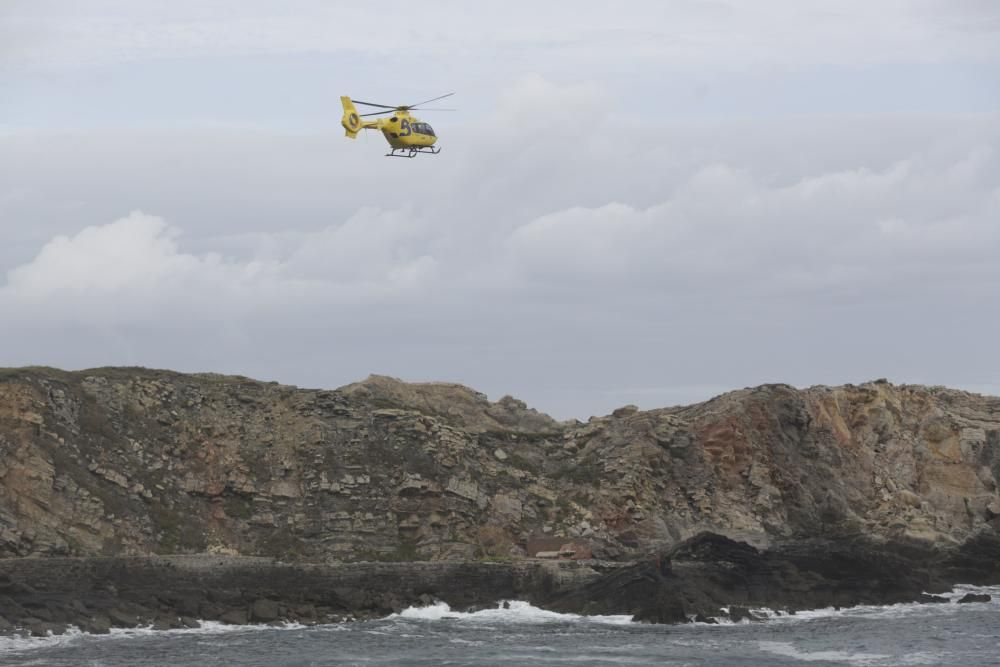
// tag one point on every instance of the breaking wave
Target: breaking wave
(18, 644)
(510, 611)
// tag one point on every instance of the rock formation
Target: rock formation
(124, 462)
(707, 574)
(136, 496)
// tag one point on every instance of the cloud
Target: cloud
(722, 228)
(135, 253)
(576, 260)
(910, 223)
(133, 269)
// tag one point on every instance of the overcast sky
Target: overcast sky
(645, 202)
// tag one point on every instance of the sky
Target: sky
(645, 202)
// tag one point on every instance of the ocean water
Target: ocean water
(933, 634)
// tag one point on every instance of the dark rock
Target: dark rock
(711, 571)
(34, 626)
(98, 625)
(40, 611)
(10, 608)
(16, 589)
(166, 623)
(304, 611)
(931, 599)
(665, 610)
(264, 611)
(187, 605)
(189, 622)
(43, 629)
(701, 618)
(738, 614)
(974, 597)
(234, 617)
(122, 619)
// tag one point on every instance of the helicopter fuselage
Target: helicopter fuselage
(402, 130)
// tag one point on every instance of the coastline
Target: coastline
(702, 579)
(46, 595)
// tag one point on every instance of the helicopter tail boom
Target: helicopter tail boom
(351, 120)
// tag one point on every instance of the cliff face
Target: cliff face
(131, 461)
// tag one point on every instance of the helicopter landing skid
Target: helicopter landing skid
(412, 152)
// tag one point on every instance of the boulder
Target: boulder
(264, 611)
(738, 614)
(97, 625)
(43, 629)
(234, 617)
(974, 597)
(122, 619)
(665, 610)
(165, 622)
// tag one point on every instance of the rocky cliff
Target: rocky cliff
(118, 462)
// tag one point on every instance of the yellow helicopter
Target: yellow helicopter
(405, 133)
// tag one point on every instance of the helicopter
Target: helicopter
(406, 134)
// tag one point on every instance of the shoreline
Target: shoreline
(757, 616)
(169, 592)
(695, 580)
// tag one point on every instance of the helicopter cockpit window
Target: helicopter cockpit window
(428, 130)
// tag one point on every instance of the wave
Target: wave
(514, 612)
(877, 611)
(788, 650)
(18, 644)
(508, 611)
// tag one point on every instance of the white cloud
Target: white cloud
(135, 253)
(133, 269)
(528, 258)
(723, 227)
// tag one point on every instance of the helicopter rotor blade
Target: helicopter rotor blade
(433, 99)
(429, 109)
(374, 113)
(372, 104)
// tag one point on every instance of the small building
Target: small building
(558, 548)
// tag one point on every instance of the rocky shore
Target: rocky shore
(141, 496)
(45, 596)
(701, 576)
(702, 579)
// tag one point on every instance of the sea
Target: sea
(517, 633)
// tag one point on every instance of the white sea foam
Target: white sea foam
(788, 650)
(19, 644)
(16, 644)
(517, 611)
(887, 611)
